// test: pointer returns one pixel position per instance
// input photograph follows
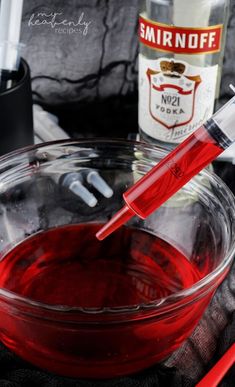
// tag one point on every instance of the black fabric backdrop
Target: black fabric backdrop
(90, 81)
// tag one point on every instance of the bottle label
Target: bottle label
(180, 40)
(175, 98)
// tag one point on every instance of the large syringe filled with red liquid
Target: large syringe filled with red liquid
(176, 169)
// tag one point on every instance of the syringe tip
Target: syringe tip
(117, 220)
(78, 189)
(100, 184)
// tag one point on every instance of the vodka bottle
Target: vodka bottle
(181, 56)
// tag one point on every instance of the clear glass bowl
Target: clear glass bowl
(102, 315)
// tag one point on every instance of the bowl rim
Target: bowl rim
(160, 306)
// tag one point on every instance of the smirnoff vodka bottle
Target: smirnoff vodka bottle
(181, 55)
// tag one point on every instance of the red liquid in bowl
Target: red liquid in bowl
(69, 266)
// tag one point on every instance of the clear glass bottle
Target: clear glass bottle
(181, 56)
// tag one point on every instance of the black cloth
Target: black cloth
(16, 373)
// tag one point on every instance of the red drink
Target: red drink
(69, 266)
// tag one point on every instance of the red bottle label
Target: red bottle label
(181, 40)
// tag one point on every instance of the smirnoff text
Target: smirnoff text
(180, 40)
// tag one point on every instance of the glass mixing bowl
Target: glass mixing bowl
(90, 309)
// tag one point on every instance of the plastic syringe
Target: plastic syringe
(10, 26)
(176, 169)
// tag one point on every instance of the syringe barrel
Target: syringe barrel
(225, 120)
(172, 173)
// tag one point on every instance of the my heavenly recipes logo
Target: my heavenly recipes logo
(60, 25)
